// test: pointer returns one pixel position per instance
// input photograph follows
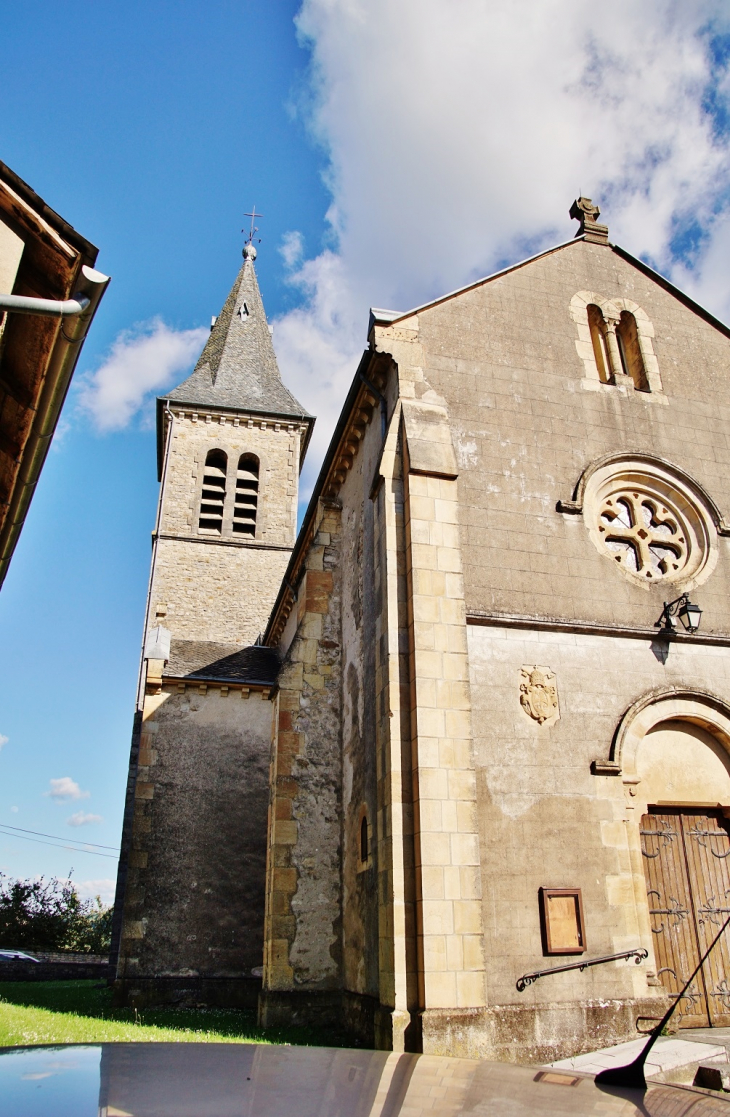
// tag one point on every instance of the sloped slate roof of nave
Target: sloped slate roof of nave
(237, 368)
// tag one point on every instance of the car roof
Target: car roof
(189, 1079)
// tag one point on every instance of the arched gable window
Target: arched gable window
(247, 495)
(597, 325)
(213, 495)
(627, 336)
(615, 343)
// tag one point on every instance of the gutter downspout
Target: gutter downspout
(68, 308)
(61, 365)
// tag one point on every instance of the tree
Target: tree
(50, 915)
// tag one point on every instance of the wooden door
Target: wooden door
(707, 847)
(686, 862)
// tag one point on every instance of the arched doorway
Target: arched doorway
(685, 846)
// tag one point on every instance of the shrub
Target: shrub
(50, 915)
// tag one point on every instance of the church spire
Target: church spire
(237, 368)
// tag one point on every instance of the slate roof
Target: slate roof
(237, 367)
(205, 660)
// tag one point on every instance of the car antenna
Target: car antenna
(633, 1073)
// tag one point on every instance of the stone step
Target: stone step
(670, 1059)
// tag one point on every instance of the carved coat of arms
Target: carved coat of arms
(539, 694)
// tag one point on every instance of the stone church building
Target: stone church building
(467, 724)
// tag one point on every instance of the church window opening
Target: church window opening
(247, 495)
(597, 326)
(614, 343)
(628, 346)
(651, 521)
(364, 844)
(213, 496)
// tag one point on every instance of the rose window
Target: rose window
(643, 534)
(652, 522)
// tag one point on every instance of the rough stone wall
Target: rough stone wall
(303, 909)
(195, 892)
(360, 909)
(217, 592)
(222, 588)
(361, 606)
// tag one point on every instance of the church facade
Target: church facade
(471, 743)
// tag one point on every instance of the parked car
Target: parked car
(262, 1080)
(16, 956)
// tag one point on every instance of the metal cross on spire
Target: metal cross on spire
(254, 228)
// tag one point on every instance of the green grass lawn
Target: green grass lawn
(81, 1012)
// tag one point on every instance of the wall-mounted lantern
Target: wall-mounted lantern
(689, 614)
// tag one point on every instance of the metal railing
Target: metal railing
(639, 954)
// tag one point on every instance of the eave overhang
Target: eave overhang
(164, 403)
(38, 355)
(359, 400)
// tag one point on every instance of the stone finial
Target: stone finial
(584, 211)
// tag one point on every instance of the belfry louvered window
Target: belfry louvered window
(247, 495)
(213, 496)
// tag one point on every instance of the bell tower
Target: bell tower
(189, 909)
(231, 441)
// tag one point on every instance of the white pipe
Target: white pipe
(22, 304)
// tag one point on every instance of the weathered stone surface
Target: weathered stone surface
(490, 651)
(195, 894)
(192, 876)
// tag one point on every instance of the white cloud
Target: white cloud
(292, 248)
(104, 888)
(458, 134)
(65, 788)
(145, 359)
(3, 740)
(83, 818)
(14, 810)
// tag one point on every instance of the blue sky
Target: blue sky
(152, 128)
(398, 149)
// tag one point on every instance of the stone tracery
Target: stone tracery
(644, 535)
(650, 520)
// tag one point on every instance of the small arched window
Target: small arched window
(213, 496)
(627, 336)
(247, 495)
(364, 844)
(598, 337)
